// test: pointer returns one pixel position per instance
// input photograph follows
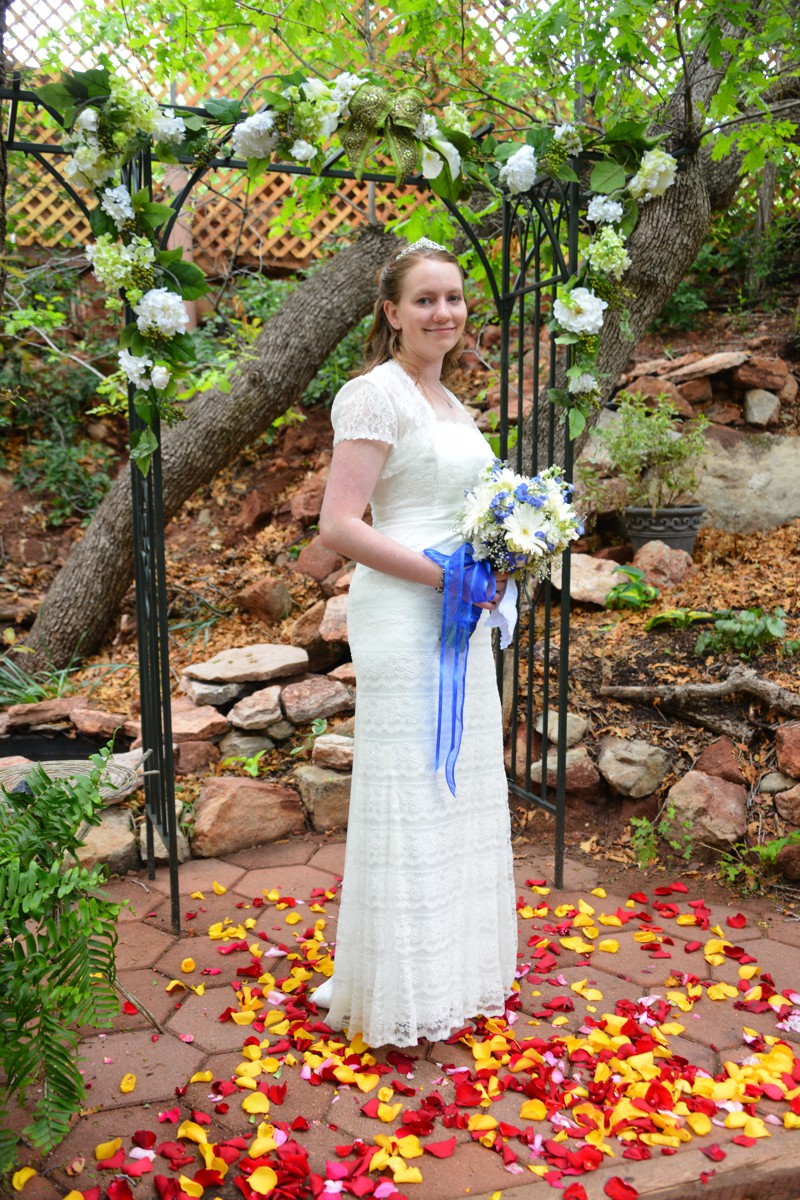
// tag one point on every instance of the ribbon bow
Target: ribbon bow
(467, 583)
(374, 109)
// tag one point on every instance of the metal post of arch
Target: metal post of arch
(539, 251)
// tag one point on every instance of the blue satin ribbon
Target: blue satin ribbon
(466, 584)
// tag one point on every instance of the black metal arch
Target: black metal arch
(539, 251)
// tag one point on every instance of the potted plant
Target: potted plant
(656, 462)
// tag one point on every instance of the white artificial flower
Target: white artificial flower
(519, 171)
(521, 528)
(426, 127)
(302, 151)
(448, 152)
(255, 137)
(455, 118)
(432, 163)
(603, 211)
(86, 119)
(315, 89)
(656, 173)
(161, 312)
(116, 202)
(584, 383)
(160, 377)
(344, 88)
(580, 311)
(135, 367)
(328, 113)
(89, 166)
(473, 516)
(169, 128)
(568, 136)
(606, 252)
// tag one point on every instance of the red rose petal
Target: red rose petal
(617, 1189)
(737, 921)
(130, 1008)
(575, 1191)
(441, 1149)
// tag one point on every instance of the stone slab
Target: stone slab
(249, 664)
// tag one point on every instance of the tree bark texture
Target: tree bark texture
(86, 594)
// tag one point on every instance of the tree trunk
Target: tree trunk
(86, 594)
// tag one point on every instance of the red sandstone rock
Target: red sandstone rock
(650, 387)
(769, 373)
(94, 722)
(663, 566)
(193, 758)
(44, 712)
(268, 599)
(306, 503)
(233, 813)
(723, 414)
(787, 805)
(259, 710)
(333, 627)
(256, 510)
(788, 393)
(710, 812)
(719, 759)
(317, 561)
(316, 696)
(787, 749)
(696, 391)
(788, 861)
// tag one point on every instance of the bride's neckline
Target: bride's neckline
(462, 417)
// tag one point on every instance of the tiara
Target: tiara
(422, 244)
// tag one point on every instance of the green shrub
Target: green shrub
(72, 476)
(57, 940)
(746, 632)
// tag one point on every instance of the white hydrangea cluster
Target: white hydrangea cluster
(168, 128)
(579, 311)
(455, 118)
(302, 151)
(89, 166)
(114, 264)
(655, 175)
(256, 136)
(568, 138)
(136, 368)
(582, 385)
(604, 211)
(161, 314)
(345, 86)
(519, 171)
(116, 202)
(427, 127)
(606, 252)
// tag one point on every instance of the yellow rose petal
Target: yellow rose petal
(263, 1180)
(608, 946)
(599, 892)
(202, 1077)
(21, 1177)
(107, 1149)
(256, 1102)
(127, 1083)
(198, 896)
(192, 1132)
(190, 1188)
(187, 965)
(219, 890)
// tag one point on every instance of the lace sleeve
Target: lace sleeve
(362, 409)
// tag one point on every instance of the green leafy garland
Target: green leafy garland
(109, 122)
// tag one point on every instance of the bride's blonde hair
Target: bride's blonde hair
(383, 342)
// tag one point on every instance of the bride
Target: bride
(427, 931)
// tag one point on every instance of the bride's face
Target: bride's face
(431, 312)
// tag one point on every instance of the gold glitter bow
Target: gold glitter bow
(375, 110)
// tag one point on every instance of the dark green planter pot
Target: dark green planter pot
(677, 527)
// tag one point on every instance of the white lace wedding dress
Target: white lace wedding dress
(427, 931)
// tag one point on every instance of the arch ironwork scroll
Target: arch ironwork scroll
(539, 251)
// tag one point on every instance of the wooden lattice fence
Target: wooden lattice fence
(227, 217)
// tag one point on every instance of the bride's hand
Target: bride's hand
(500, 581)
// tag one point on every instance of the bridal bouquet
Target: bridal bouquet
(519, 525)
